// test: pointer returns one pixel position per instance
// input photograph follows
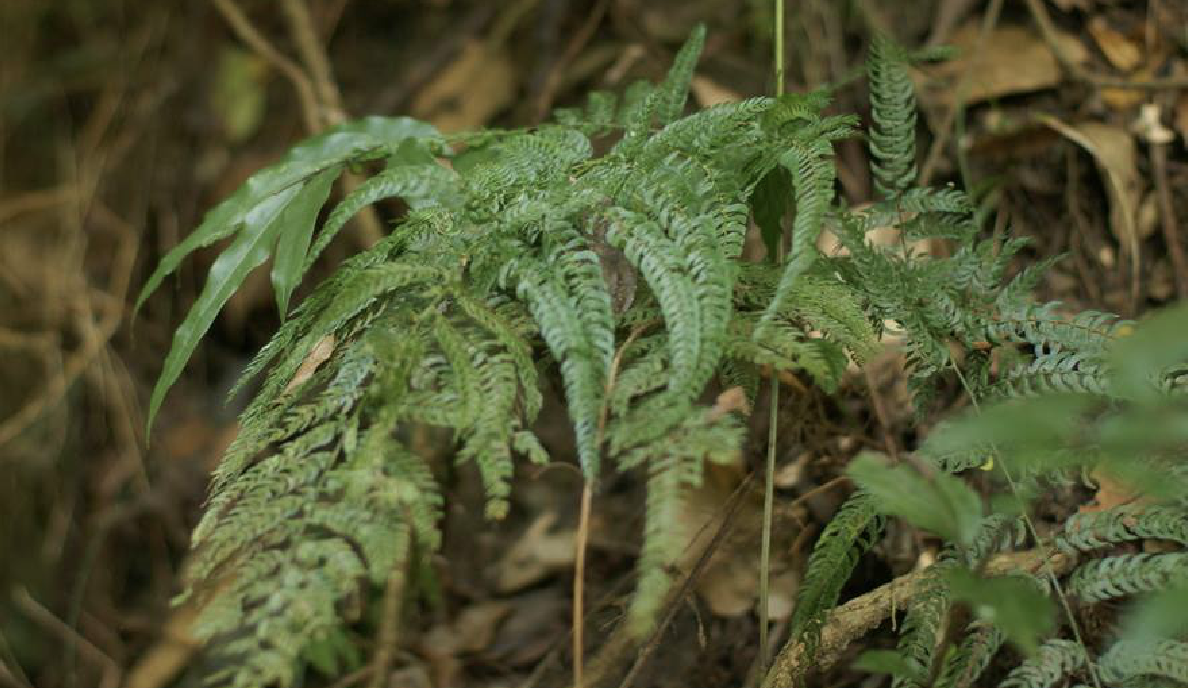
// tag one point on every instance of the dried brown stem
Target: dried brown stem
(317, 64)
(1167, 213)
(246, 31)
(321, 101)
(389, 631)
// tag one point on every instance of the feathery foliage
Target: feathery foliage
(521, 254)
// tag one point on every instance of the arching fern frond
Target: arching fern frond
(1087, 531)
(852, 531)
(1130, 574)
(1126, 660)
(1054, 660)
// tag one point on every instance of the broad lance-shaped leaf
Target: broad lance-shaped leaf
(249, 250)
(226, 218)
(381, 134)
(366, 138)
(1016, 604)
(296, 231)
(940, 503)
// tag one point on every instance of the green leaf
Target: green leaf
(1159, 616)
(1157, 344)
(769, 203)
(296, 230)
(249, 250)
(1014, 604)
(307, 159)
(887, 662)
(940, 503)
(1033, 432)
(351, 138)
(333, 654)
(227, 217)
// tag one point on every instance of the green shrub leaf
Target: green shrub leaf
(940, 503)
(1016, 605)
(249, 250)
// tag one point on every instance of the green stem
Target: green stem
(773, 421)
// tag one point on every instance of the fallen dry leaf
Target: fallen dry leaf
(318, 355)
(733, 399)
(1114, 152)
(1123, 53)
(531, 629)
(480, 82)
(1013, 59)
(1125, 99)
(710, 93)
(537, 554)
(1111, 493)
(470, 631)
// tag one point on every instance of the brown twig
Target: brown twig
(1167, 214)
(861, 614)
(321, 101)
(385, 645)
(246, 31)
(34, 611)
(674, 600)
(548, 91)
(1048, 31)
(944, 131)
(433, 61)
(96, 339)
(317, 64)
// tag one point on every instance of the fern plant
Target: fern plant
(522, 251)
(1132, 432)
(1063, 374)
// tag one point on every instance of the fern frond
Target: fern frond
(923, 624)
(1130, 574)
(968, 660)
(893, 108)
(1087, 531)
(659, 262)
(674, 90)
(1128, 660)
(812, 178)
(568, 340)
(675, 465)
(854, 529)
(1054, 660)
(412, 183)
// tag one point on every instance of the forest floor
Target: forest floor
(121, 122)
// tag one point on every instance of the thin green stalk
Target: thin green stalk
(773, 422)
(1031, 529)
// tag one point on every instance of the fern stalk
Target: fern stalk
(1031, 529)
(773, 420)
